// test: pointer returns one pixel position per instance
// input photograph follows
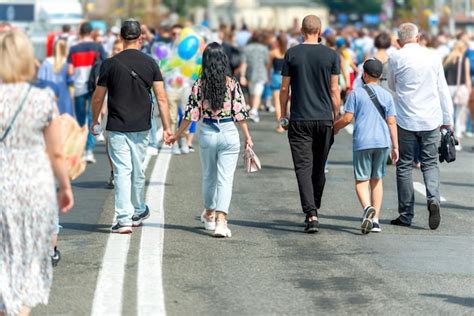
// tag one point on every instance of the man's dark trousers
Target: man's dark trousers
(310, 142)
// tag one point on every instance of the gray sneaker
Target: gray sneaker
(138, 219)
(366, 226)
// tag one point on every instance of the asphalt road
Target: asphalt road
(269, 266)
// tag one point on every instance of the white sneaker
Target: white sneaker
(271, 109)
(184, 146)
(458, 147)
(209, 222)
(89, 157)
(100, 138)
(175, 150)
(222, 230)
(253, 114)
(152, 151)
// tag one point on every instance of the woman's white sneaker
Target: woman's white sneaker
(208, 221)
(222, 230)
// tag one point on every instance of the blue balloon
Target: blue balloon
(188, 47)
(199, 61)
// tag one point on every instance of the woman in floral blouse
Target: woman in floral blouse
(217, 99)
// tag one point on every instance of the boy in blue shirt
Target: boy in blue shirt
(375, 131)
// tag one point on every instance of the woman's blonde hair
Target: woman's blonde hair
(17, 61)
(60, 55)
(458, 51)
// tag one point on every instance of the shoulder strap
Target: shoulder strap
(18, 110)
(375, 100)
(133, 73)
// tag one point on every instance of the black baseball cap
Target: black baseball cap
(373, 67)
(130, 30)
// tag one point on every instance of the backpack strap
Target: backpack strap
(18, 110)
(375, 101)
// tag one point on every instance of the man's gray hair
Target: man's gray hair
(407, 32)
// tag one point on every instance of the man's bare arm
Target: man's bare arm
(335, 96)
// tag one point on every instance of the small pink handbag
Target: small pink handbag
(251, 161)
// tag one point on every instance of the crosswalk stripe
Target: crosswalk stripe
(420, 188)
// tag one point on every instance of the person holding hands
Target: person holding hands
(217, 99)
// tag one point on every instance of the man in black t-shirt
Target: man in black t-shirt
(128, 79)
(311, 70)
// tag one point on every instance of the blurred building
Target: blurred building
(280, 14)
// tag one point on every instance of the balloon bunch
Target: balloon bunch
(184, 60)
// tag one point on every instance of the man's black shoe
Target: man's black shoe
(312, 227)
(398, 222)
(435, 218)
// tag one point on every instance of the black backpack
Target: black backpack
(95, 70)
(94, 76)
(447, 148)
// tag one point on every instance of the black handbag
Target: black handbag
(447, 148)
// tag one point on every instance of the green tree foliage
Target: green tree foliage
(354, 6)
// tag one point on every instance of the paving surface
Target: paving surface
(270, 266)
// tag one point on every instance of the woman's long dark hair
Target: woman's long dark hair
(215, 70)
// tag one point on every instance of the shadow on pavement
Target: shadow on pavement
(281, 225)
(93, 228)
(463, 301)
(91, 185)
(267, 167)
(457, 184)
(450, 205)
(188, 229)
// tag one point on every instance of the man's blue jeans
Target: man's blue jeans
(409, 142)
(127, 152)
(83, 108)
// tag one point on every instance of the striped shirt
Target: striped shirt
(83, 56)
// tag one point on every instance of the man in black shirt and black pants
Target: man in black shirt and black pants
(128, 78)
(312, 70)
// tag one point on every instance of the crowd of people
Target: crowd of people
(397, 89)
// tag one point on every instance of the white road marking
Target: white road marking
(350, 129)
(150, 294)
(109, 290)
(108, 296)
(159, 136)
(420, 188)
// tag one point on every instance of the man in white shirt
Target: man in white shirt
(423, 104)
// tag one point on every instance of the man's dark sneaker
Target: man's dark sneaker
(56, 257)
(366, 226)
(398, 222)
(312, 227)
(376, 227)
(138, 219)
(434, 218)
(121, 229)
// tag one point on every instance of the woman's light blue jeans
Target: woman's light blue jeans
(219, 152)
(127, 152)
